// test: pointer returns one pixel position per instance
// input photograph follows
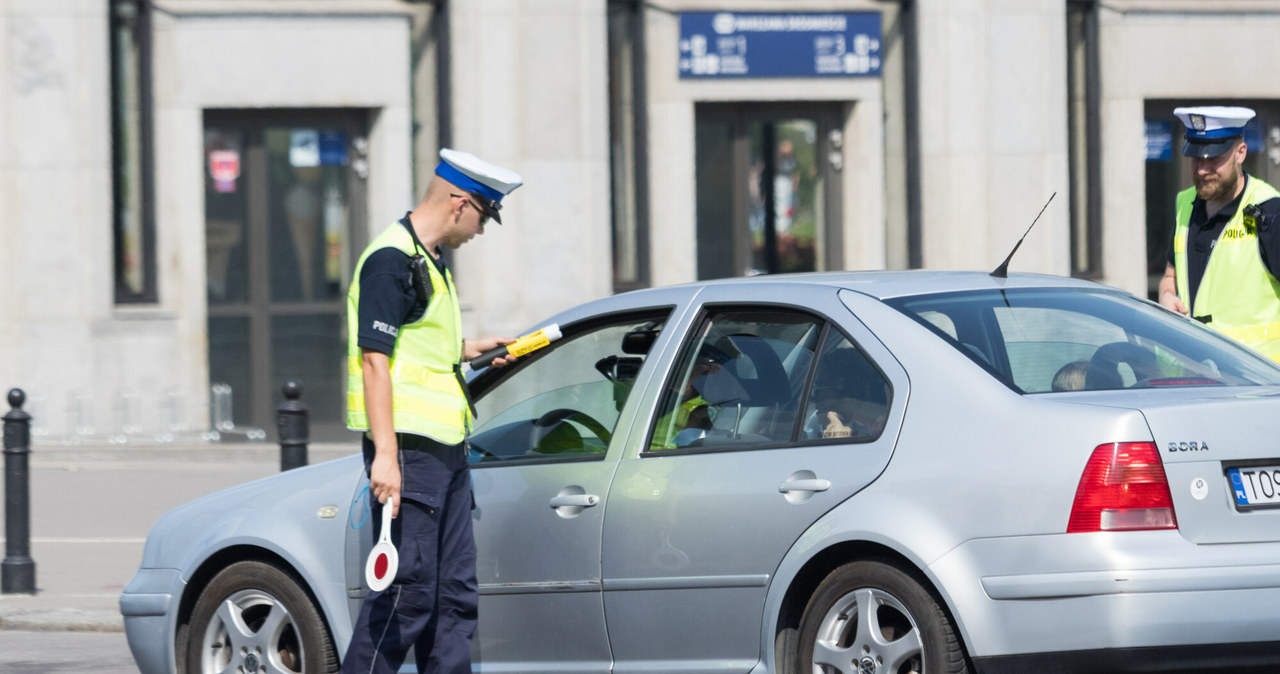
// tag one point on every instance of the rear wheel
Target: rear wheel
(253, 617)
(871, 617)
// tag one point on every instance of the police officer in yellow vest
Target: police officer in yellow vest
(405, 391)
(1224, 258)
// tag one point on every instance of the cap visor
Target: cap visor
(1207, 150)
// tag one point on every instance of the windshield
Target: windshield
(1039, 340)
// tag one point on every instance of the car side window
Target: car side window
(850, 397)
(564, 402)
(738, 382)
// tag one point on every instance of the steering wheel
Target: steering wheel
(545, 423)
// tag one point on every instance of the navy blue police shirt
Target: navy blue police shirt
(1203, 233)
(388, 299)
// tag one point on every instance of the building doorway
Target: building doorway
(284, 221)
(1168, 172)
(768, 188)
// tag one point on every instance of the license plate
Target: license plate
(1255, 486)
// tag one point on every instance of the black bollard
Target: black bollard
(294, 427)
(18, 571)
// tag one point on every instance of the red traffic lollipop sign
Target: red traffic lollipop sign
(380, 569)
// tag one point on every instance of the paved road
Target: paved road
(64, 652)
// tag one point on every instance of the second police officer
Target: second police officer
(1224, 257)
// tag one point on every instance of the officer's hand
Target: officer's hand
(384, 482)
(474, 348)
(1172, 301)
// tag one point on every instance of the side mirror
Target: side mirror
(619, 368)
(638, 341)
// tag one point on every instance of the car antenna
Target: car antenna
(1003, 270)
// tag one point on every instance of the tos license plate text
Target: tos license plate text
(1255, 485)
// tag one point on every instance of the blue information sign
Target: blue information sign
(333, 148)
(1159, 140)
(1253, 140)
(779, 44)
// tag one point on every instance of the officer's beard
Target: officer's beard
(1216, 188)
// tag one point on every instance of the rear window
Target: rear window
(1051, 340)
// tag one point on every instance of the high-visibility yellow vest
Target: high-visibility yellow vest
(426, 391)
(1237, 293)
(671, 423)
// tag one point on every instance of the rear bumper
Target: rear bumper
(1113, 602)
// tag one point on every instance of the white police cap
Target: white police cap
(486, 182)
(1212, 129)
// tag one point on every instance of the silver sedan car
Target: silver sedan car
(866, 473)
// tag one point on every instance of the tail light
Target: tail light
(1123, 488)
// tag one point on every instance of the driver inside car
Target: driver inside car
(693, 411)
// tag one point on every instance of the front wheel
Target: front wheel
(253, 617)
(871, 617)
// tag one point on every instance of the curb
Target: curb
(61, 620)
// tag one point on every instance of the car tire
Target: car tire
(870, 616)
(254, 617)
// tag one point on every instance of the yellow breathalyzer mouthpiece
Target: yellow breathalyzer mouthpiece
(520, 347)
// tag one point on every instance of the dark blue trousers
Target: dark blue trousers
(431, 605)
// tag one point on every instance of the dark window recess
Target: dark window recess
(133, 213)
(628, 159)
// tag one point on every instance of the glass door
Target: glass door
(768, 188)
(284, 208)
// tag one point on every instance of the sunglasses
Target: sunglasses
(484, 215)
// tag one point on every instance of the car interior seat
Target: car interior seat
(768, 404)
(848, 384)
(1112, 365)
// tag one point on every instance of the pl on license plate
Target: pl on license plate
(1255, 485)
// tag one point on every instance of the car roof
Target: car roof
(890, 284)
(882, 285)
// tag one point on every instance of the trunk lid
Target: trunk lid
(1202, 434)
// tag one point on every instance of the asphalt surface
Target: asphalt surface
(91, 509)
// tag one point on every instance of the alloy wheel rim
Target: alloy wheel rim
(868, 631)
(251, 631)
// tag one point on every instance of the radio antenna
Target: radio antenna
(1003, 270)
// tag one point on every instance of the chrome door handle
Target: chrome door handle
(810, 484)
(575, 501)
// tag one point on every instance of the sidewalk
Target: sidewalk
(79, 577)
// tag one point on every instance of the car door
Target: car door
(802, 411)
(542, 460)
